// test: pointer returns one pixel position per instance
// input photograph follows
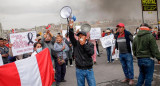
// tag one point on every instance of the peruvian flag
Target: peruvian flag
(48, 26)
(32, 71)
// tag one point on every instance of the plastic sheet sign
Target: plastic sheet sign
(22, 42)
(107, 41)
(149, 5)
(95, 33)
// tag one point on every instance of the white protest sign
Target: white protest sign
(78, 28)
(107, 41)
(64, 33)
(22, 42)
(1, 61)
(116, 55)
(95, 33)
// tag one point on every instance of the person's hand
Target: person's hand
(71, 24)
(63, 47)
(113, 52)
(10, 45)
(48, 31)
(158, 62)
(82, 40)
(5, 55)
(77, 31)
(70, 45)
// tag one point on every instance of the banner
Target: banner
(22, 42)
(149, 5)
(64, 33)
(107, 41)
(95, 33)
(1, 61)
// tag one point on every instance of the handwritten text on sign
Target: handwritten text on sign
(22, 42)
(95, 33)
(107, 41)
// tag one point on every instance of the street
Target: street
(109, 74)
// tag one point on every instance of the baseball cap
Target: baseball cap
(120, 25)
(82, 32)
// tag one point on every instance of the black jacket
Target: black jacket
(83, 54)
(129, 38)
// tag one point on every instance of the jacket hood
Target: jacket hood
(143, 32)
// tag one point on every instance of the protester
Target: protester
(4, 51)
(103, 33)
(48, 41)
(108, 49)
(83, 51)
(94, 56)
(145, 49)
(60, 47)
(68, 53)
(37, 48)
(123, 39)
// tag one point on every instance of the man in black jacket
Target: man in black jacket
(83, 50)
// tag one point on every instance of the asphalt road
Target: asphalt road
(109, 74)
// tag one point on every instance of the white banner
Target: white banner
(22, 42)
(95, 33)
(64, 33)
(1, 61)
(107, 41)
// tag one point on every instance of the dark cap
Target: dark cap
(81, 32)
(146, 25)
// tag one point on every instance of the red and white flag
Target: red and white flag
(32, 71)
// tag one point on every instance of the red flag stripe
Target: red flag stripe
(45, 67)
(9, 75)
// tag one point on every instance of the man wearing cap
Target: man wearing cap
(123, 39)
(83, 51)
(145, 49)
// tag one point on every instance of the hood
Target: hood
(143, 32)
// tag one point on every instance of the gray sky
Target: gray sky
(31, 13)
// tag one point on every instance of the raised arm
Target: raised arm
(71, 34)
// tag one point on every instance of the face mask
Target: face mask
(81, 39)
(39, 50)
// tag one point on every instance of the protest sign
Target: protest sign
(95, 33)
(1, 61)
(64, 32)
(22, 42)
(107, 41)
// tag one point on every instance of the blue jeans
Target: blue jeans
(109, 56)
(146, 69)
(127, 65)
(88, 74)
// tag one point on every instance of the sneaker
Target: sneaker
(125, 80)
(131, 82)
(71, 65)
(108, 62)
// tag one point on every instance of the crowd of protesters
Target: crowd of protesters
(78, 46)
